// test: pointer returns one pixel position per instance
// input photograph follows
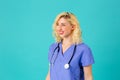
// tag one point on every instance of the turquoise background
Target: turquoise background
(26, 34)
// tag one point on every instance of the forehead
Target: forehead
(63, 20)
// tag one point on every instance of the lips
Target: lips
(61, 32)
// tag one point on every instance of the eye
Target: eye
(62, 24)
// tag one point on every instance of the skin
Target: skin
(64, 29)
(48, 76)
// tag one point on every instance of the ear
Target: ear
(73, 27)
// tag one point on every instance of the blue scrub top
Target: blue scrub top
(82, 57)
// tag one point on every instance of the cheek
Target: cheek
(67, 29)
(57, 31)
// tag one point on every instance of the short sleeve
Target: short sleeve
(86, 57)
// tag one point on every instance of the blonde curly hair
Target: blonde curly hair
(76, 34)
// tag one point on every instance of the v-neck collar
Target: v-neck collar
(68, 51)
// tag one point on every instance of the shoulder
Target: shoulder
(53, 45)
(83, 46)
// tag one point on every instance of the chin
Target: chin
(62, 36)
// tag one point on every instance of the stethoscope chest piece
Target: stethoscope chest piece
(66, 66)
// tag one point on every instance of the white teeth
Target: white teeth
(61, 32)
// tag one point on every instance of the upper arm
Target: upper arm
(88, 72)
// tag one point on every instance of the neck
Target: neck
(67, 41)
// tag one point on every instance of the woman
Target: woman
(69, 57)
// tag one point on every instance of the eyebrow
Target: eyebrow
(61, 23)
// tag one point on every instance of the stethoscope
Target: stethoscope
(67, 65)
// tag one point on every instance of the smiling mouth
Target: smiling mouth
(61, 32)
